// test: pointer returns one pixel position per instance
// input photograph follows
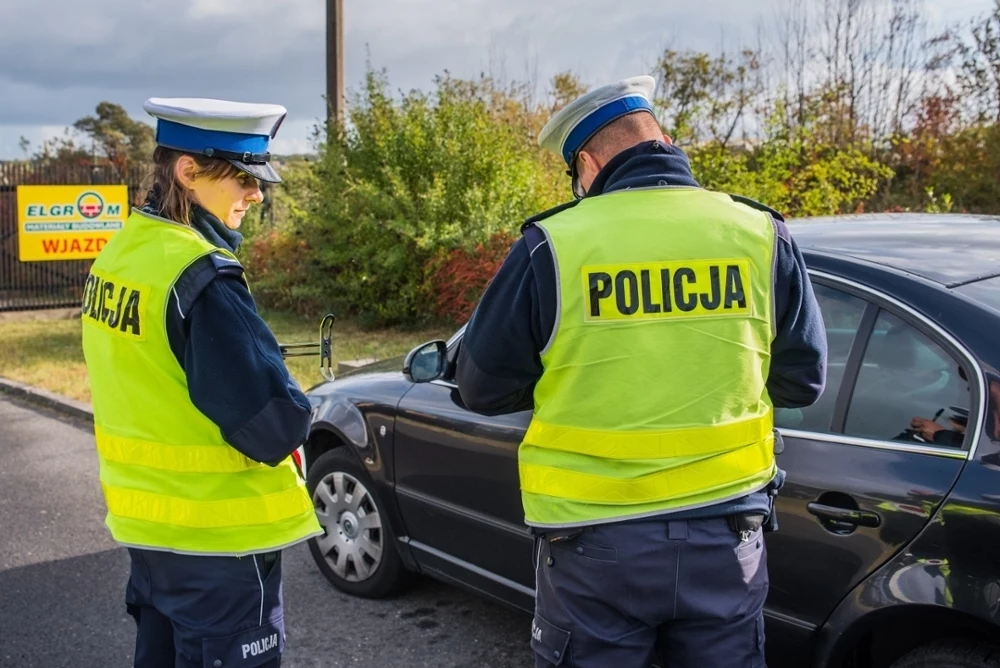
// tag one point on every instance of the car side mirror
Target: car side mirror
(426, 362)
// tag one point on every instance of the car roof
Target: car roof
(951, 249)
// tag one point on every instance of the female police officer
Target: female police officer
(195, 413)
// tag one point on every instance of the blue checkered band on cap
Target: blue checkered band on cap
(187, 138)
(597, 120)
(239, 132)
(197, 124)
(571, 127)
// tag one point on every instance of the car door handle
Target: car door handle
(848, 515)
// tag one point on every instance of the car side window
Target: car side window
(908, 389)
(842, 317)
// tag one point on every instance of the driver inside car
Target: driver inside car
(936, 433)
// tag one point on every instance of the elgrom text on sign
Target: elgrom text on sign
(68, 222)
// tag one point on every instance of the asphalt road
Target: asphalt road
(62, 579)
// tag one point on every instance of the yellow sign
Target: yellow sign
(68, 222)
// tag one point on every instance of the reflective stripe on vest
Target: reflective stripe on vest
(652, 397)
(181, 458)
(270, 509)
(682, 480)
(704, 441)
(169, 478)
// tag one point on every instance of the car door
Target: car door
(457, 489)
(859, 487)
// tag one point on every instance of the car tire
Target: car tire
(357, 552)
(952, 654)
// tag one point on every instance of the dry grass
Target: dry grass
(44, 350)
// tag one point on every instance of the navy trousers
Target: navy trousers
(206, 612)
(690, 593)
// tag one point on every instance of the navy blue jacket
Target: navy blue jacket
(234, 369)
(499, 364)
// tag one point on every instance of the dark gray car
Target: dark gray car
(888, 552)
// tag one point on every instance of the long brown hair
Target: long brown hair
(166, 194)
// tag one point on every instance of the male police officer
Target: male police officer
(650, 324)
(195, 414)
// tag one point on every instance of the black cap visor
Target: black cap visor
(259, 170)
(254, 164)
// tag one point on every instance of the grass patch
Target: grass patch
(47, 353)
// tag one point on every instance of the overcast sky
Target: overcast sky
(59, 58)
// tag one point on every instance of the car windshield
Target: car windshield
(986, 291)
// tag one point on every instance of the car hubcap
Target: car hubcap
(352, 540)
(349, 524)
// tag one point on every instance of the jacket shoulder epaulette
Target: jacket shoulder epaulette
(226, 265)
(754, 204)
(193, 280)
(548, 213)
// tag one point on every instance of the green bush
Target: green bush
(275, 244)
(968, 167)
(405, 213)
(407, 179)
(798, 173)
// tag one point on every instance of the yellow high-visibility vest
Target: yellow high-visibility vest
(170, 480)
(653, 394)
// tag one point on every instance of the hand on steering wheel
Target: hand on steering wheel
(925, 428)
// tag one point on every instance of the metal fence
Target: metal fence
(40, 285)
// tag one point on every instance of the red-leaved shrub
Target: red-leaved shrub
(459, 277)
(274, 269)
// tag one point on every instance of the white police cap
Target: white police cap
(239, 132)
(578, 121)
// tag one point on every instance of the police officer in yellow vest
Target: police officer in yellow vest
(651, 325)
(195, 414)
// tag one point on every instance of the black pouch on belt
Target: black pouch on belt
(269, 559)
(746, 522)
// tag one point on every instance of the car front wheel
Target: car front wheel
(951, 654)
(357, 551)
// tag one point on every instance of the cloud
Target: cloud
(59, 58)
(127, 52)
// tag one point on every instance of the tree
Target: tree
(115, 136)
(114, 139)
(566, 87)
(979, 70)
(705, 97)
(58, 150)
(392, 195)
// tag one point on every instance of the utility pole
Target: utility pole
(335, 59)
